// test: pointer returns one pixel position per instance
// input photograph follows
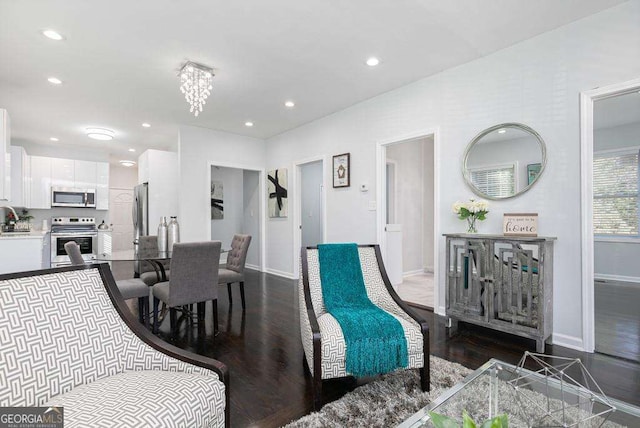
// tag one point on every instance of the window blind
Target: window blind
(496, 182)
(615, 194)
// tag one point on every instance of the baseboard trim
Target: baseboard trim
(412, 273)
(253, 267)
(281, 273)
(617, 278)
(567, 341)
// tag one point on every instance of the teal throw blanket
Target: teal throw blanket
(375, 339)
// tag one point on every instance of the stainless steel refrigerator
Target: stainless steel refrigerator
(140, 217)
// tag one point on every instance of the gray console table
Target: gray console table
(501, 282)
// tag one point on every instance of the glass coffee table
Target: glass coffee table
(498, 387)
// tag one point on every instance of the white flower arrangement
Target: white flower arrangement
(471, 211)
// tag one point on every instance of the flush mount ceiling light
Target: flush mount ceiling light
(502, 131)
(289, 104)
(100, 134)
(146, 125)
(54, 80)
(195, 84)
(127, 163)
(54, 139)
(373, 61)
(53, 35)
(248, 124)
(132, 150)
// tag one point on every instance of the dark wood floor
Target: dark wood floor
(262, 348)
(617, 319)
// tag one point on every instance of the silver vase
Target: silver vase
(173, 232)
(162, 235)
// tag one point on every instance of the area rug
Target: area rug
(386, 401)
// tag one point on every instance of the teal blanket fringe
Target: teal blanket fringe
(375, 339)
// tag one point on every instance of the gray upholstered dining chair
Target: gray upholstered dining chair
(73, 251)
(133, 288)
(234, 269)
(148, 247)
(194, 274)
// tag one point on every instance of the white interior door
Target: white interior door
(120, 205)
(393, 230)
(311, 203)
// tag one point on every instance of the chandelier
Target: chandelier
(195, 84)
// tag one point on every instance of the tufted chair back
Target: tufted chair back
(194, 272)
(148, 245)
(237, 257)
(74, 253)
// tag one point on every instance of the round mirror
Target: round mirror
(504, 161)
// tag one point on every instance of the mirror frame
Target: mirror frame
(522, 127)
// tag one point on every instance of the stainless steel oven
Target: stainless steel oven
(82, 230)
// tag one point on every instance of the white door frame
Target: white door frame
(381, 168)
(297, 207)
(262, 190)
(587, 99)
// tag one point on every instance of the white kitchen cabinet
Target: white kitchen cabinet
(62, 173)
(5, 157)
(85, 174)
(102, 186)
(22, 253)
(160, 169)
(40, 183)
(19, 178)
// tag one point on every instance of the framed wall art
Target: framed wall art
(217, 200)
(533, 170)
(277, 192)
(342, 170)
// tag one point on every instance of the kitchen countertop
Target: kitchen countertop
(34, 234)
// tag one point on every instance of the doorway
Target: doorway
(309, 208)
(610, 123)
(409, 218)
(120, 207)
(236, 209)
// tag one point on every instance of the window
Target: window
(615, 193)
(496, 181)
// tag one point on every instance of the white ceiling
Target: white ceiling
(120, 58)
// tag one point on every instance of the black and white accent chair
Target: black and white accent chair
(322, 338)
(68, 339)
(133, 288)
(234, 268)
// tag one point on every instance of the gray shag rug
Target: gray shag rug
(386, 401)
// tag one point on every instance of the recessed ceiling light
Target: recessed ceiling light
(54, 80)
(53, 35)
(100, 134)
(289, 104)
(127, 163)
(132, 150)
(249, 124)
(373, 61)
(146, 125)
(501, 131)
(54, 139)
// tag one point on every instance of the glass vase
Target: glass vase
(471, 223)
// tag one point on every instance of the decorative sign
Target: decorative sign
(520, 224)
(341, 170)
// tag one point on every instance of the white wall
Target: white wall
(231, 223)
(123, 177)
(199, 148)
(251, 215)
(409, 193)
(617, 259)
(536, 82)
(311, 203)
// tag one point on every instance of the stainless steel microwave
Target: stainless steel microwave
(70, 197)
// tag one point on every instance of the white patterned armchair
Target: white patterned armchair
(67, 339)
(322, 338)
